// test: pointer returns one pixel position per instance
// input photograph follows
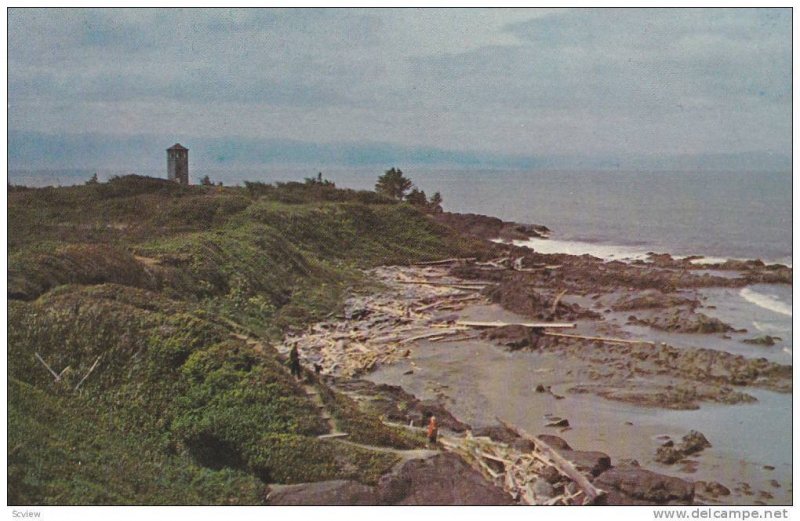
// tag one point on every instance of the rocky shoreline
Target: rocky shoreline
(421, 305)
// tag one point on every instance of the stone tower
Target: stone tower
(178, 164)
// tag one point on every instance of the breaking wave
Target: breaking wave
(766, 301)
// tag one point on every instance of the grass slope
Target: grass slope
(149, 280)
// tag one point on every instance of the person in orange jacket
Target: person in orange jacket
(433, 430)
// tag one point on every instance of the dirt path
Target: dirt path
(405, 454)
(312, 393)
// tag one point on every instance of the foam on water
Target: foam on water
(607, 251)
(768, 302)
(600, 250)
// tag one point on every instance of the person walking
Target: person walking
(433, 430)
(294, 361)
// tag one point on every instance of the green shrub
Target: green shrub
(365, 428)
(152, 278)
(289, 458)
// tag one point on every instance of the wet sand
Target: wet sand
(478, 381)
(625, 400)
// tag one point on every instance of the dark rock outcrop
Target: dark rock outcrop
(323, 493)
(556, 442)
(504, 435)
(516, 294)
(487, 227)
(591, 462)
(685, 321)
(637, 486)
(691, 443)
(764, 340)
(711, 489)
(443, 479)
(396, 405)
(651, 299)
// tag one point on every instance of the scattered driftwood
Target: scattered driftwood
(90, 372)
(496, 264)
(607, 340)
(505, 263)
(458, 339)
(534, 325)
(440, 333)
(446, 261)
(539, 268)
(55, 375)
(447, 302)
(456, 285)
(515, 471)
(591, 493)
(376, 330)
(555, 303)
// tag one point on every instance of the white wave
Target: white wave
(705, 260)
(787, 350)
(773, 328)
(602, 251)
(609, 252)
(766, 302)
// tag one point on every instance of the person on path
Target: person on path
(294, 361)
(433, 430)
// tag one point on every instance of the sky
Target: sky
(516, 88)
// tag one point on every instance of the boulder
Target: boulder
(444, 479)
(617, 498)
(668, 455)
(691, 443)
(441, 480)
(764, 340)
(503, 435)
(592, 462)
(694, 442)
(641, 485)
(322, 493)
(711, 488)
(554, 441)
(651, 299)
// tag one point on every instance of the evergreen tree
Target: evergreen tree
(417, 198)
(393, 184)
(435, 203)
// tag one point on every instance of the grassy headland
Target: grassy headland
(148, 281)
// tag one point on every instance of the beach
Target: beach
(680, 363)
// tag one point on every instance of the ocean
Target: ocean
(609, 214)
(717, 214)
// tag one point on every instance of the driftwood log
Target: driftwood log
(446, 261)
(55, 375)
(608, 340)
(535, 325)
(591, 493)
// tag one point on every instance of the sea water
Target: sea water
(609, 214)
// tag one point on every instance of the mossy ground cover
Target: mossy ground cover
(147, 280)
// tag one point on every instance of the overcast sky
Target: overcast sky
(498, 83)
